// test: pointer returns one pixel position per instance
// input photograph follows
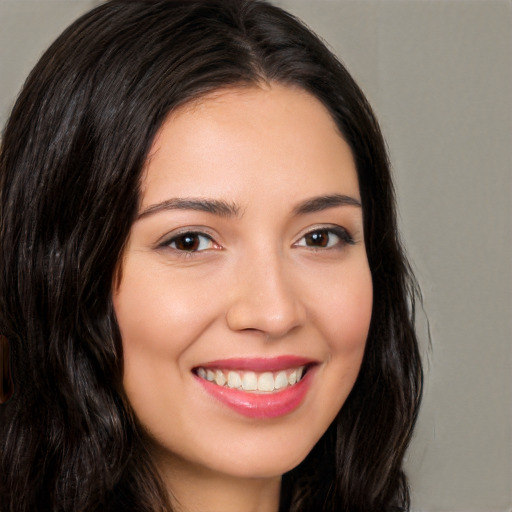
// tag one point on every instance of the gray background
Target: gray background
(439, 75)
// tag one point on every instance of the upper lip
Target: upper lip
(259, 364)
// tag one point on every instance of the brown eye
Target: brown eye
(326, 238)
(191, 242)
(317, 238)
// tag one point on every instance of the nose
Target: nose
(265, 298)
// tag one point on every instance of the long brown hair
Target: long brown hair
(70, 167)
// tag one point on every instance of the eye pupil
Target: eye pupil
(317, 238)
(187, 242)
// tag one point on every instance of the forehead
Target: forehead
(245, 140)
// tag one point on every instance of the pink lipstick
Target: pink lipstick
(258, 387)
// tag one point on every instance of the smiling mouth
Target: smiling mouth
(251, 381)
(258, 388)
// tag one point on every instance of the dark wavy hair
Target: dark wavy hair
(70, 167)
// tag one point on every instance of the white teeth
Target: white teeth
(281, 380)
(250, 381)
(266, 382)
(220, 380)
(234, 380)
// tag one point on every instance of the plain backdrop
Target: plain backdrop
(439, 75)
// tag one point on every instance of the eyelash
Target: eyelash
(344, 238)
(191, 235)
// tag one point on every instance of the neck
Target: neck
(196, 489)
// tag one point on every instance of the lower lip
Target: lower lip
(260, 405)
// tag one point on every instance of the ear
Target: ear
(6, 384)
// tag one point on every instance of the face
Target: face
(245, 298)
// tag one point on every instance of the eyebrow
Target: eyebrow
(318, 204)
(215, 206)
(225, 209)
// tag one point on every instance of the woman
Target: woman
(205, 298)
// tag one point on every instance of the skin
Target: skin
(253, 286)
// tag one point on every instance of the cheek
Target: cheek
(159, 320)
(345, 321)
(347, 310)
(155, 312)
